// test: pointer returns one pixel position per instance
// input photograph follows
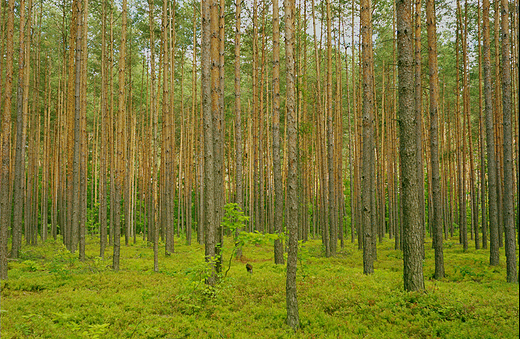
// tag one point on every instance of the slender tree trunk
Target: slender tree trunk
(103, 147)
(436, 225)
(77, 126)
(154, 225)
(293, 318)
(418, 117)
(5, 201)
(509, 195)
(120, 126)
(490, 140)
(368, 137)
(484, 218)
(238, 115)
(19, 174)
(209, 26)
(332, 218)
(412, 256)
(277, 170)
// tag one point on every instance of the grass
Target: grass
(51, 294)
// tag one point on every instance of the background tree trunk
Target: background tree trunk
(368, 138)
(436, 220)
(277, 170)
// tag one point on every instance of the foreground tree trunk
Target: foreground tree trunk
(412, 232)
(436, 220)
(293, 318)
(509, 194)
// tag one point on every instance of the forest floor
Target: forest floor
(51, 294)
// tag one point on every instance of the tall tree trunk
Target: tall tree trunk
(77, 126)
(293, 318)
(120, 140)
(368, 137)
(84, 141)
(154, 225)
(509, 195)
(5, 201)
(418, 117)
(209, 26)
(490, 141)
(436, 220)
(412, 256)
(19, 172)
(277, 170)
(238, 115)
(332, 219)
(484, 218)
(217, 103)
(103, 147)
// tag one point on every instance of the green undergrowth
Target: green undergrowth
(51, 294)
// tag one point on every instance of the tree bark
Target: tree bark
(293, 318)
(412, 233)
(436, 220)
(277, 170)
(368, 137)
(19, 172)
(207, 100)
(509, 195)
(490, 141)
(5, 201)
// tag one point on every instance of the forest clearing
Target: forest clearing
(51, 294)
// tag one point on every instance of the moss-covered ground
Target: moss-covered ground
(51, 294)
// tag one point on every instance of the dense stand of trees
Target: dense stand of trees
(119, 119)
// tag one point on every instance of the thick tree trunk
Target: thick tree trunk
(412, 232)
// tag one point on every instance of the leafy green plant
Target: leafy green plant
(234, 221)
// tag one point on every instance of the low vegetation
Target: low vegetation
(51, 294)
